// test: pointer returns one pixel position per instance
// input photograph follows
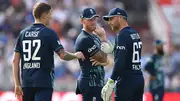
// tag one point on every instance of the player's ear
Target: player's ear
(81, 21)
(44, 16)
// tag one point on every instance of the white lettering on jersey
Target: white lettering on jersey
(135, 36)
(31, 34)
(121, 47)
(136, 67)
(31, 65)
(92, 48)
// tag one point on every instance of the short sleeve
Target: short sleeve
(18, 45)
(55, 42)
(88, 46)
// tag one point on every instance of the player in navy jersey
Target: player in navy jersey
(127, 66)
(35, 49)
(91, 79)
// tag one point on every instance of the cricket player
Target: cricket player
(127, 65)
(155, 67)
(35, 48)
(91, 79)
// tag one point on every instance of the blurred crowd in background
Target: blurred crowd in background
(17, 14)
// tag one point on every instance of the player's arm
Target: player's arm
(15, 68)
(100, 56)
(65, 55)
(16, 61)
(101, 33)
(93, 51)
(149, 67)
(58, 48)
(106, 45)
(120, 56)
(96, 63)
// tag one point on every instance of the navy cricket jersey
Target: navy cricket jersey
(90, 44)
(155, 68)
(36, 45)
(127, 53)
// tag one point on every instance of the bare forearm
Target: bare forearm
(105, 63)
(100, 57)
(69, 56)
(65, 55)
(16, 74)
(15, 68)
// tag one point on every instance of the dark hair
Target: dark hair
(40, 8)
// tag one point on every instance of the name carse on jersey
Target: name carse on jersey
(31, 60)
(31, 33)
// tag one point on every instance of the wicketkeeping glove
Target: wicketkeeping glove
(107, 90)
(107, 47)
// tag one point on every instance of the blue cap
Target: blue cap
(159, 42)
(89, 13)
(115, 12)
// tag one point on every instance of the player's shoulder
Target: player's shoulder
(127, 29)
(80, 40)
(125, 33)
(132, 35)
(154, 56)
(82, 36)
(23, 31)
(48, 31)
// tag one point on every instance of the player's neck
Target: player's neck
(123, 26)
(39, 22)
(88, 31)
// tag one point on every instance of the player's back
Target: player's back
(36, 52)
(134, 46)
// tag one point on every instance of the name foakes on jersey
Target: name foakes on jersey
(135, 36)
(31, 65)
(31, 33)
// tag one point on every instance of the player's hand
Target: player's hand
(107, 90)
(100, 32)
(107, 47)
(80, 55)
(18, 92)
(96, 63)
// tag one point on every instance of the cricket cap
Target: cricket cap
(89, 13)
(115, 12)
